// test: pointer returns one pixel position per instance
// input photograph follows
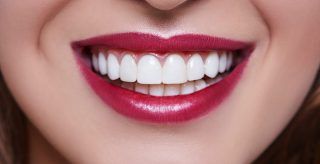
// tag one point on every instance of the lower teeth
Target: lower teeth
(168, 89)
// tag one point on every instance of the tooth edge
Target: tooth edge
(113, 67)
(103, 65)
(128, 69)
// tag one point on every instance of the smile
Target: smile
(149, 78)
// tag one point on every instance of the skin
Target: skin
(70, 124)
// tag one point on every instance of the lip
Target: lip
(171, 109)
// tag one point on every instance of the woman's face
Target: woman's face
(86, 125)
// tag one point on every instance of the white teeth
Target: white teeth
(172, 90)
(195, 68)
(174, 70)
(113, 67)
(199, 85)
(95, 63)
(102, 64)
(156, 90)
(141, 88)
(149, 70)
(187, 88)
(128, 69)
(223, 62)
(212, 65)
(229, 61)
(175, 77)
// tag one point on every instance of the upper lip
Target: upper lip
(148, 42)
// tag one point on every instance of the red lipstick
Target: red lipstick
(166, 109)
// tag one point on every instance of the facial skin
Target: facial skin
(40, 69)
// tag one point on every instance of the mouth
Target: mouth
(162, 80)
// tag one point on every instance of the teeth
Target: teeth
(156, 90)
(195, 68)
(212, 65)
(199, 85)
(149, 70)
(187, 88)
(172, 90)
(229, 61)
(95, 63)
(102, 64)
(113, 67)
(166, 89)
(174, 70)
(141, 88)
(128, 69)
(175, 77)
(223, 62)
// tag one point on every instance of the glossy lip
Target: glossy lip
(170, 109)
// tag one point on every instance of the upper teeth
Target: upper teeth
(174, 70)
(147, 69)
(128, 69)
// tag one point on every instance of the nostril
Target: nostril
(165, 4)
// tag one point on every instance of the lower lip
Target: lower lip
(162, 109)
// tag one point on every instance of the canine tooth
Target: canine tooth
(195, 68)
(141, 88)
(199, 85)
(156, 90)
(223, 62)
(212, 65)
(229, 60)
(129, 86)
(149, 70)
(171, 90)
(174, 70)
(128, 69)
(95, 62)
(113, 67)
(103, 65)
(187, 88)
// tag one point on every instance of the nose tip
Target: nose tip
(165, 4)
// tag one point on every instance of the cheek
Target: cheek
(293, 53)
(21, 25)
(22, 22)
(294, 36)
(290, 17)
(281, 75)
